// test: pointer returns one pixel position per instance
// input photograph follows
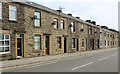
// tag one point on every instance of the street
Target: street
(100, 62)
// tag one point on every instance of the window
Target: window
(95, 31)
(105, 43)
(96, 43)
(4, 43)
(72, 27)
(100, 34)
(82, 28)
(62, 24)
(73, 42)
(37, 21)
(82, 43)
(59, 42)
(108, 43)
(105, 34)
(0, 10)
(55, 23)
(101, 43)
(90, 30)
(37, 41)
(108, 35)
(111, 43)
(12, 12)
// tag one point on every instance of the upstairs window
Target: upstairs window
(62, 24)
(4, 43)
(105, 34)
(55, 23)
(59, 42)
(100, 34)
(37, 21)
(37, 41)
(73, 42)
(72, 27)
(0, 10)
(12, 13)
(82, 28)
(95, 31)
(90, 30)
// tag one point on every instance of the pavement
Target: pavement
(105, 60)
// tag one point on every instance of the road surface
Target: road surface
(100, 62)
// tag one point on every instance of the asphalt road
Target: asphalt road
(101, 62)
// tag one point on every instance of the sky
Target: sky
(104, 12)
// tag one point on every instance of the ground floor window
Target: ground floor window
(101, 43)
(37, 41)
(73, 42)
(82, 43)
(59, 42)
(105, 43)
(96, 42)
(4, 43)
(90, 43)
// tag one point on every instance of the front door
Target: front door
(93, 44)
(19, 45)
(65, 50)
(77, 44)
(98, 44)
(47, 45)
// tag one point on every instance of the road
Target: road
(100, 62)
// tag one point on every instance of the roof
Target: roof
(44, 8)
(39, 6)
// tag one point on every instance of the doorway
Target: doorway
(65, 45)
(98, 44)
(86, 45)
(20, 45)
(47, 45)
(77, 44)
(93, 44)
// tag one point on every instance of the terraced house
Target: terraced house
(32, 30)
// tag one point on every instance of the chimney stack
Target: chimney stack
(93, 22)
(69, 14)
(78, 17)
(89, 21)
(59, 11)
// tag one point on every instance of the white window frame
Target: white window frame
(73, 43)
(56, 23)
(4, 44)
(82, 27)
(82, 43)
(1, 10)
(62, 24)
(15, 19)
(90, 30)
(105, 43)
(72, 26)
(101, 43)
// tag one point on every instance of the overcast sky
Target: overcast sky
(104, 12)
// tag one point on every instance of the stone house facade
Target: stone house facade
(108, 38)
(33, 30)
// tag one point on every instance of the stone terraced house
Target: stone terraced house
(32, 30)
